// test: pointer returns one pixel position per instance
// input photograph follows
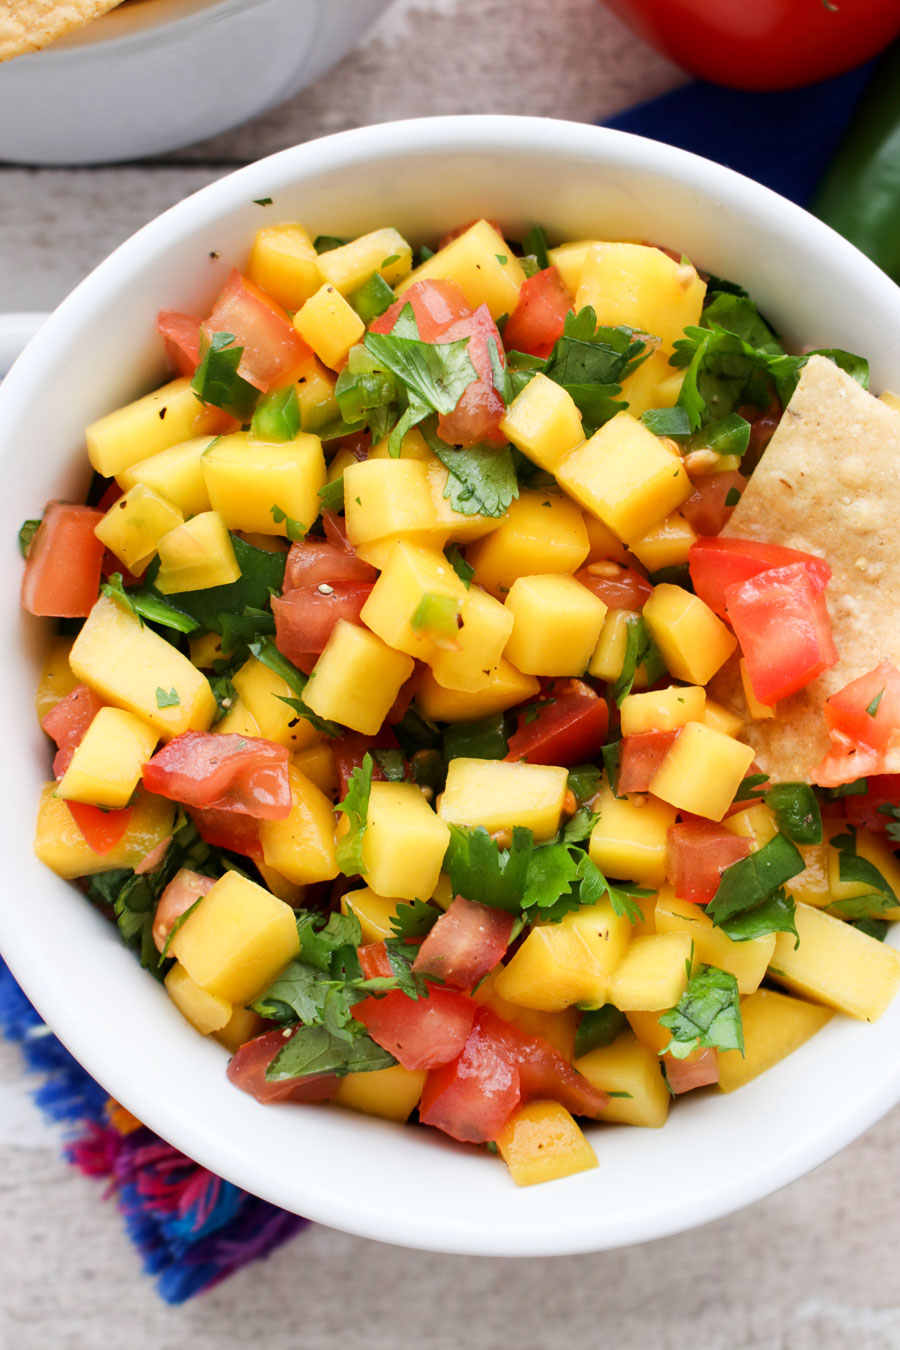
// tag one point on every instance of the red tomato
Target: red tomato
(350, 749)
(710, 505)
(182, 335)
(374, 960)
(569, 730)
(763, 423)
(435, 304)
(184, 890)
(700, 1069)
(618, 587)
(781, 620)
(102, 830)
(544, 1073)
(882, 789)
(242, 774)
(229, 830)
(421, 1033)
(776, 45)
(863, 721)
(721, 562)
(271, 345)
(465, 944)
(247, 1071)
(640, 757)
(480, 409)
(70, 718)
(472, 1098)
(305, 617)
(111, 494)
(312, 562)
(540, 316)
(697, 853)
(336, 531)
(62, 570)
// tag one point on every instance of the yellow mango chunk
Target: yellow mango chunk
(238, 721)
(626, 476)
(609, 654)
(473, 261)
(384, 251)
(554, 968)
(890, 398)
(61, 846)
(373, 911)
(301, 847)
(558, 1028)
(127, 664)
(504, 689)
(206, 1012)
(168, 416)
(206, 650)
(285, 264)
(390, 1093)
(241, 1027)
(134, 525)
(702, 771)
(628, 840)
(666, 544)
(655, 384)
(330, 325)
(874, 850)
(390, 499)
(107, 765)
(543, 422)
(56, 678)
(756, 823)
(486, 626)
(556, 624)
(837, 964)
(722, 719)
(262, 692)
(633, 1072)
(357, 678)
(176, 474)
(314, 385)
(662, 709)
(317, 764)
(541, 1142)
(693, 642)
(759, 712)
(603, 544)
(606, 933)
(500, 796)
(568, 259)
(279, 885)
(245, 478)
(746, 961)
(196, 556)
(453, 524)
(643, 288)
(811, 887)
(541, 532)
(774, 1026)
(653, 973)
(404, 843)
(237, 939)
(410, 574)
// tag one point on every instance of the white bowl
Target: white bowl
(156, 74)
(99, 349)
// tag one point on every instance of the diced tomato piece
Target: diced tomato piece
(350, 750)
(374, 960)
(480, 408)
(435, 304)
(465, 944)
(640, 757)
(472, 1098)
(153, 859)
(566, 725)
(540, 316)
(722, 562)
(882, 789)
(421, 1033)
(545, 1073)
(242, 774)
(102, 830)
(781, 620)
(111, 494)
(697, 853)
(62, 570)
(701, 1069)
(182, 335)
(70, 718)
(763, 424)
(863, 721)
(184, 890)
(229, 830)
(710, 505)
(271, 345)
(336, 531)
(618, 587)
(314, 562)
(247, 1071)
(305, 617)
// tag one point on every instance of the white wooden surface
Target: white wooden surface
(813, 1268)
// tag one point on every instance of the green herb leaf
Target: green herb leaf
(708, 1015)
(314, 1050)
(216, 380)
(623, 898)
(414, 920)
(873, 928)
(590, 361)
(182, 918)
(391, 764)
(872, 709)
(667, 421)
(148, 604)
(858, 788)
(27, 530)
(750, 787)
(332, 495)
(483, 872)
(294, 529)
(167, 698)
(748, 882)
(535, 244)
(355, 807)
(796, 812)
(326, 243)
(598, 1027)
(277, 415)
(373, 297)
(775, 914)
(261, 574)
(484, 739)
(729, 436)
(640, 650)
(437, 372)
(463, 570)
(481, 480)
(881, 898)
(584, 781)
(264, 649)
(892, 811)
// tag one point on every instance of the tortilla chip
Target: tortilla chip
(28, 25)
(829, 484)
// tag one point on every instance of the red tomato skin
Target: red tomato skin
(465, 944)
(862, 745)
(544, 1073)
(229, 830)
(184, 890)
(697, 853)
(305, 617)
(640, 757)
(350, 750)
(781, 620)
(374, 960)
(623, 589)
(336, 531)
(472, 1098)
(569, 731)
(247, 1071)
(435, 304)
(882, 789)
(62, 570)
(480, 409)
(701, 1069)
(242, 774)
(70, 718)
(271, 345)
(717, 563)
(421, 1033)
(762, 46)
(540, 316)
(314, 562)
(706, 510)
(102, 830)
(182, 337)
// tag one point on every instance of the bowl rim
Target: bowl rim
(21, 948)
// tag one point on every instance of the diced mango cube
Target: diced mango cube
(722, 719)
(176, 473)
(662, 709)
(390, 1093)
(317, 764)
(702, 771)
(628, 840)
(568, 259)
(61, 846)
(486, 626)
(667, 544)
(746, 961)
(411, 573)
(301, 847)
(501, 795)
(196, 556)
(653, 973)
(238, 721)
(608, 657)
(373, 911)
(483, 266)
(384, 251)
(404, 842)
(543, 422)
(245, 478)
(655, 384)
(454, 524)
(774, 1026)
(315, 394)
(504, 689)
(288, 891)
(606, 933)
(603, 544)
(56, 678)
(205, 1011)
(837, 964)
(262, 692)
(284, 263)
(811, 886)
(168, 416)
(632, 1074)
(134, 525)
(554, 968)
(756, 823)
(241, 1027)
(541, 1142)
(693, 642)
(107, 765)
(627, 476)
(206, 650)
(357, 678)
(541, 532)
(641, 287)
(237, 939)
(874, 850)
(390, 499)
(556, 624)
(330, 325)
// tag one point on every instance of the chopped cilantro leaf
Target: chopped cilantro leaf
(796, 812)
(332, 495)
(667, 421)
(415, 919)
(391, 764)
(730, 436)
(748, 789)
(27, 530)
(294, 529)
(355, 807)
(261, 573)
(436, 372)
(216, 380)
(484, 739)
(598, 1027)
(264, 649)
(535, 244)
(640, 650)
(465, 571)
(325, 243)
(481, 480)
(502, 259)
(747, 883)
(167, 699)
(872, 709)
(775, 914)
(148, 604)
(880, 899)
(320, 1050)
(708, 1015)
(262, 201)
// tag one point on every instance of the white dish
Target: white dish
(99, 349)
(156, 74)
